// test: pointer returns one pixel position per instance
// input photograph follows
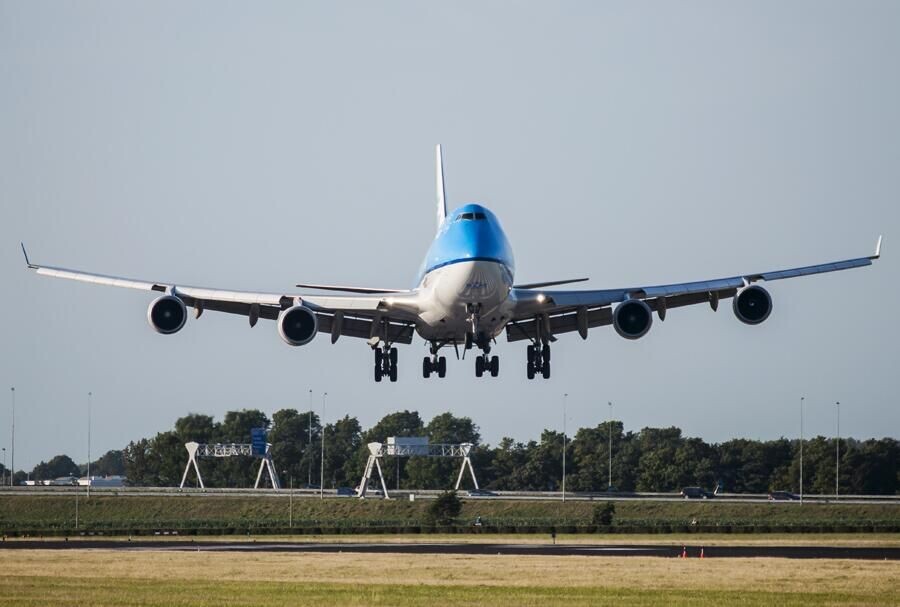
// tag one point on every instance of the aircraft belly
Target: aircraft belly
(450, 292)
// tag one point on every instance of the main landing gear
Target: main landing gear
(538, 361)
(484, 363)
(386, 363)
(434, 364)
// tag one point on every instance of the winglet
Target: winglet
(439, 185)
(27, 262)
(877, 249)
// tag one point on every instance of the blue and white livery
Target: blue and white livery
(464, 298)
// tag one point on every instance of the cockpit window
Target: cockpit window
(470, 216)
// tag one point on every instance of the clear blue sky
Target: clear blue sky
(254, 146)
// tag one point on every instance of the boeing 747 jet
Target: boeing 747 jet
(465, 298)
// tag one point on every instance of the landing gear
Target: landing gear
(538, 361)
(483, 364)
(385, 363)
(437, 364)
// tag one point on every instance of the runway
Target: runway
(891, 553)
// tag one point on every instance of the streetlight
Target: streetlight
(309, 443)
(801, 448)
(609, 431)
(3, 482)
(12, 463)
(322, 463)
(90, 395)
(565, 398)
(837, 452)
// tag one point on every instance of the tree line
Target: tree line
(652, 459)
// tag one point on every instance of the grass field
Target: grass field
(18, 511)
(107, 578)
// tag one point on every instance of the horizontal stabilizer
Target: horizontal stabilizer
(552, 283)
(349, 289)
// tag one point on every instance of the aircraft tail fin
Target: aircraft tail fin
(439, 184)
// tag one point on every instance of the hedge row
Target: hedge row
(453, 529)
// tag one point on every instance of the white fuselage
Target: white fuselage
(451, 295)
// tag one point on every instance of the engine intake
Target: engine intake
(298, 325)
(167, 314)
(752, 305)
(632, 319)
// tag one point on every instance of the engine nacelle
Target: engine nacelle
(297, 325)
(752, 305)
(167, 314)
(632, 319)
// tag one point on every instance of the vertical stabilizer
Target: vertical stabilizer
(439, 183)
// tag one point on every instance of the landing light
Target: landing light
(541, 298)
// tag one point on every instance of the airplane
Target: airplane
(465, 296)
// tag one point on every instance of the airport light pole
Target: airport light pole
(837, 453)
(609, 431)
(309, 443)
(4, 467)
(565, 398)
(90, 397)
(322, 462)
(12, 464)
(801, 449)
(290, 500)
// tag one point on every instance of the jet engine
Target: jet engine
(167, 314)
(752, 305)
(297, 325)
(632, 319)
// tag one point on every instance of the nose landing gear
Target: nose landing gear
(538, 361)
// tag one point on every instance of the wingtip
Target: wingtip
(877, 248)
(27, 261)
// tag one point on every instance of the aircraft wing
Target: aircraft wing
(557, 311)
(365, 315)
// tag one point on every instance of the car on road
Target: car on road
(783, 496)
(345, 492)
(696, 493)
(480, 493)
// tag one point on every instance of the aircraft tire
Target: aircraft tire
(426, 367)
(530, 370)
(378, 373)
(393, 355)
(546, 354)
(545, 369)
(479, 366)
(495, 366)
(393, 373)
(442, 366)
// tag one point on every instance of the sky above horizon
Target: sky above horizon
(255, 146)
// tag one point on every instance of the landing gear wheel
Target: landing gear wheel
(530, 370)
(442, 366)
(479, 366)
(546, 369)
(393, 354)
(393, 373)
(378, 373)
(530, 354)
(495, 366)
(426, 367)
(378, 357)
(546, 354)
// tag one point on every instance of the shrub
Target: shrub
(445, 509)
(603, 514)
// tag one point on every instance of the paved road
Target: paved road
(608, 550)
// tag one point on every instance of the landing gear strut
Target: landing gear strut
(386, 363)
(538, 361)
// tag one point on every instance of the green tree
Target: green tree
(438, 473)
(342, 442)
(292, 449)
(59, 465)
